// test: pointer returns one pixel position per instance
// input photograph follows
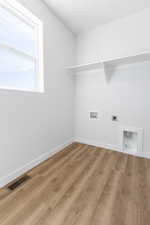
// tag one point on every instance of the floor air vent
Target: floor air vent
(18, 182)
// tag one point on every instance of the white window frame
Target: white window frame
(24, 14)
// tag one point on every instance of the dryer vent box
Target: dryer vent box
(132, 139)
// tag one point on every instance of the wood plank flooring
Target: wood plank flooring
(82, 185)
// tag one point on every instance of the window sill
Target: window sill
(22, 90)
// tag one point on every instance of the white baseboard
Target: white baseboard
(96, 143)
(110, 147)
(12, 176)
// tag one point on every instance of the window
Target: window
(21, 48)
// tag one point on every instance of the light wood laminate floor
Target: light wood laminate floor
(82, 185)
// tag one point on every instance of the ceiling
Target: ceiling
(80, 15)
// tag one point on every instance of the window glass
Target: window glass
(18, 52)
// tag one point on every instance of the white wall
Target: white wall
(125, 93)
(120, 38)
(32, 124)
